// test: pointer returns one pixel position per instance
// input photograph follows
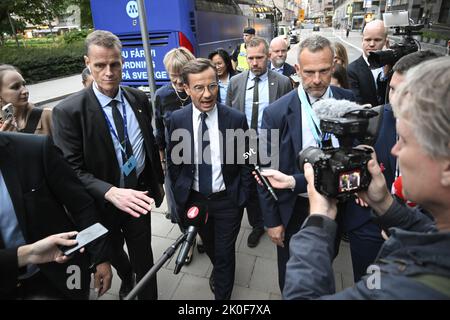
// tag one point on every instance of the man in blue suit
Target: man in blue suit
(200, 174)
(298, 128)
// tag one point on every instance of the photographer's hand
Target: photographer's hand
(318, 204)
(377, 195)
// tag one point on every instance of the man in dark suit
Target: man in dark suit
(242, 95)
(105, 133)
(369, 85)
(278, 53)
(208, 169)
(291, 116)
(36, 187)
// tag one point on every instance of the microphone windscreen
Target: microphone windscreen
(332, 108)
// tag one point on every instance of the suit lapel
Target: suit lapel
(8, 165)
(223, 121)
(242, 90)
(273, 86)
(368, 74)
(98, 119)
(295, 122)
(189, 126)
(138, 112)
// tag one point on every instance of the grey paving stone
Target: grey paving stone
(265, 276)
(244, 269)
(193, 288)
(243, 293)
(265, 248)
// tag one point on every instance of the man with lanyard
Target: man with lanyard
(298, 129)
(239, 55)
(105, 134)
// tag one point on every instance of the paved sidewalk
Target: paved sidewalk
(48, 91)
(256, 268)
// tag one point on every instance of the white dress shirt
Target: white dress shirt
(214, 135)
(134, 131)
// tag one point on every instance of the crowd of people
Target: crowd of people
(95, 157)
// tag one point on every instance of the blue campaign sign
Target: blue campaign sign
(135, 66)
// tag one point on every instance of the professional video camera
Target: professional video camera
(340, 172)
(400, 22)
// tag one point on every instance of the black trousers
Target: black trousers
(365, 243)
(254, 213)
(299, 215)
(137, 234)
(219, 236)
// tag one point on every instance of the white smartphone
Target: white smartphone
(85, 237)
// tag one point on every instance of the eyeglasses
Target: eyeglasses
(200, 89)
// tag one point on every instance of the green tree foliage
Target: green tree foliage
(15, 13)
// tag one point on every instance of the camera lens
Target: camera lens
(310, 155)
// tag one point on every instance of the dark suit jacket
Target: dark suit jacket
(279, 85)
(81, 132)
(41, 184)
(237, 177)
(356, 215)
(285, 115)
(288, 70)
(363, 85)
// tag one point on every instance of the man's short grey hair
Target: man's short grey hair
(314, 44)
(102, 38)
(425, 104)
(256, 41)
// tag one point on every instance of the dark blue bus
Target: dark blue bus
(199, 25)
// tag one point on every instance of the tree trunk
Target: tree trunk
(12, 28)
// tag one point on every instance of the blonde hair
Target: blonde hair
(176, 58)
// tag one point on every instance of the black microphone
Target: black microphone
(263, 179)
(194, 217)
(266, 182)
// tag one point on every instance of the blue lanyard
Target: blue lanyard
(125, 133)
(313, 121)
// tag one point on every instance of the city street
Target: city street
(256, 268)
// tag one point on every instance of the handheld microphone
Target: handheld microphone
(194, 217)
(265, 181)
(255, 167)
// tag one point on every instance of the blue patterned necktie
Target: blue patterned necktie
(204, 156)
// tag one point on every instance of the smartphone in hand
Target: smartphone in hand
(84, 237)
(7, 112)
